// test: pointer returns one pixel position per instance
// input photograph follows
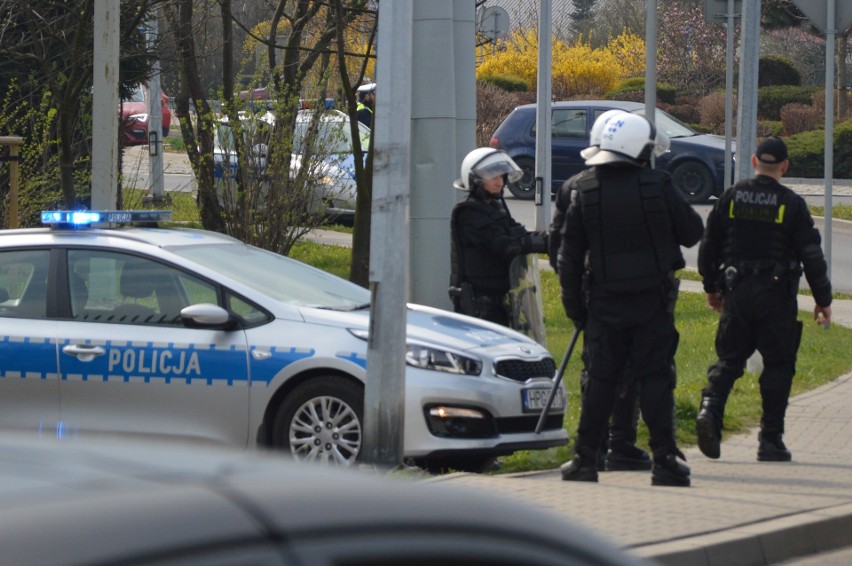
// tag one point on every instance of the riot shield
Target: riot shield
(525, 308)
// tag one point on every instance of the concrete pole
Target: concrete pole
(155, 120)
(729, 91)
(384, 414)
(830, 31)
(747, 94)
(443, 124)
(105, 106)
(543, 137)
(651, 63)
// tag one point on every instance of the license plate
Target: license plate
(535, 399)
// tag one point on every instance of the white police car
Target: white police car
(159, 332)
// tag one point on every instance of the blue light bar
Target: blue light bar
(83, 218)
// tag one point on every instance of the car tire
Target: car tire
(473, 463)
(524, 188)
(322, 420)
(694, 181)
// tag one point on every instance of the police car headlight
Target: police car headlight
(425, 357)
(431, 358)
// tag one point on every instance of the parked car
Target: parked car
(71, 502)
(696, 161)
(182, 333)
(134, 116)
(328, 153)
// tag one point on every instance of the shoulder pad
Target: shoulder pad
(587, 183)
(650, 176)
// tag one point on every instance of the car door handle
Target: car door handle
(84, 352)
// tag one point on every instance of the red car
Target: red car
(134, 116)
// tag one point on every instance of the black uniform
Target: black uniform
(758, 236)
(621, 437)
(485, 239)
(619, 245)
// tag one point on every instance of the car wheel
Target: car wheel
(524, 188)
(322, 420)
(459, 463)
(694, 181)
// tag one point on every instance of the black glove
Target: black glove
(535, 243)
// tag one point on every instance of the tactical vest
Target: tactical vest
(631, 241)
(486, 271)
(756, 224)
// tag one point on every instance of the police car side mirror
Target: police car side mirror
(206, 315)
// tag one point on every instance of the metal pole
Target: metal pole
(542, 117)
(729, 91)
(830, 31)
(155, 120)
(747, 93)
(651, 61)
(384, 400)
(14, 142)
(105, 106)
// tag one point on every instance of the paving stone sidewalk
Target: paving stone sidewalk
(738, 511)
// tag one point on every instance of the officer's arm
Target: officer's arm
(554, 240)
(687, 223)
(709, 250)
(807, 245)
(571, 254)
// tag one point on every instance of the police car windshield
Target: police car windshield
(277, 277)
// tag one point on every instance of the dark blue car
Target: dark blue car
(696, 161)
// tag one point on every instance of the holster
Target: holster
(672, 288)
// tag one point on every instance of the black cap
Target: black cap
(771, 150)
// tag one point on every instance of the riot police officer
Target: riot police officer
(759, 235)
(485, 237)
(618, 450)
(620, 243)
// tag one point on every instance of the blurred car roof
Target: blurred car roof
(81, 502)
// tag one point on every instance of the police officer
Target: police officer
(485, 237)
(758, 236)
(620, 243)
(618, 450)
(366, 103)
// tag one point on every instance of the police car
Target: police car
(169, 332)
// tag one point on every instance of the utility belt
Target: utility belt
(465, 301)
(732, 273)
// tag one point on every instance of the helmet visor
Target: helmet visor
(497, 165)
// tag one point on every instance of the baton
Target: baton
(559, 375)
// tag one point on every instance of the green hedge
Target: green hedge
(509, 83)
(770, 99)
(777, 70)
(665, 93)
(807, 153)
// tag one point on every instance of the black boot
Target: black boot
(626, 456)
(580, 468)
(708, 426)
(668, 471)
(772, 449)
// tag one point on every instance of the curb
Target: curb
(767, 542)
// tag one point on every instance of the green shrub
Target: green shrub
(766, 128)
(509, 83)
(807, 152)
(770, 99)
(634, 89)
(777, 70)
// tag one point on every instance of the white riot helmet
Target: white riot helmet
(596, 131)
(662, 143)
(484, 163)
(628, 138)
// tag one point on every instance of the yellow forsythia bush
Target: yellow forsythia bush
(578, 70)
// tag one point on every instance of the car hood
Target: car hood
(705, 140)
(430, 325)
